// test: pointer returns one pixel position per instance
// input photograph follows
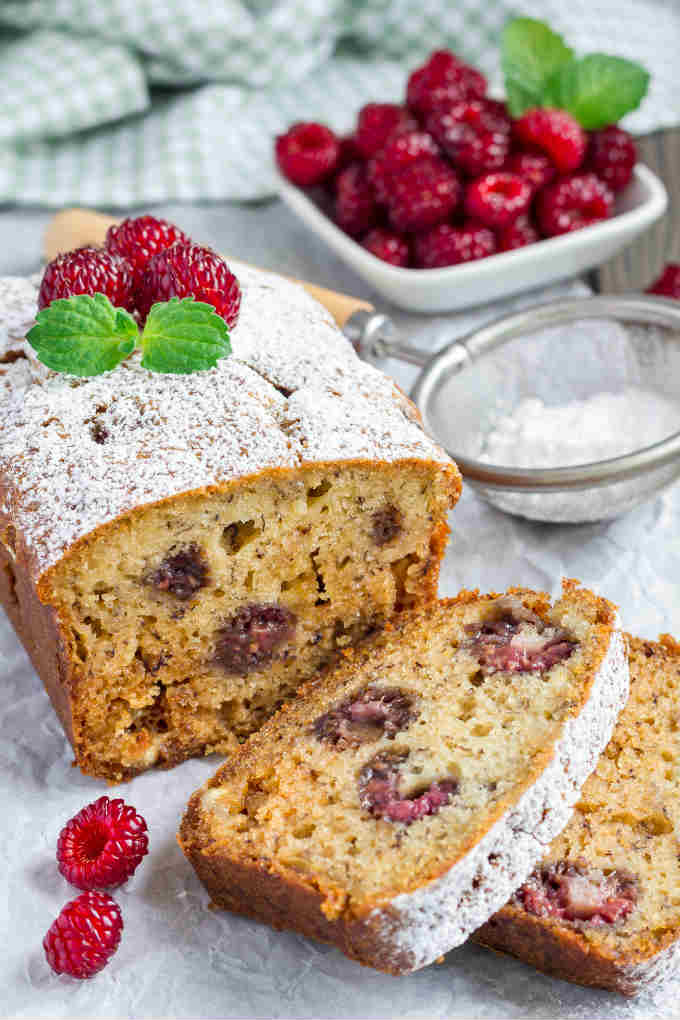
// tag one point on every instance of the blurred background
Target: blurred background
(172, 104)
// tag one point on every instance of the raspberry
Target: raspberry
(612, 156)
(533, 167)
(375, 124)
(348, 152)
(388, 246)
(517, 235)
(497, 199)
(400, 151)
(556, 133)
(188, 269)
(474, 137)
(448, 246)
(85, 936)
(407, 147)
(307, 153)
(422, 195)
(443, 79)
(355, 208)
(668, 284)
(87, 271)
(138, 239)
(573, 202)
(102, 845)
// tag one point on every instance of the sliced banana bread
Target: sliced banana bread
(393, 806)
(179, 552)
(603, 907)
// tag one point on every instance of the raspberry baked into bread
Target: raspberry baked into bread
(603, 907)
(395, 804)
(179, 552)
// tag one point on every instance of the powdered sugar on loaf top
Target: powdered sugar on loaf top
(76, 453)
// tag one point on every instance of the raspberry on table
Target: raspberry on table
(377, 122)
(85, 935)
(518, 234)
(422, 195)
(533, 167)
(138, 239)
(190, 270)
(307, 153)
(388, 246)
(572, 203)
(612, 156)
(497, 199)
(447, 245)
(87, 271)
(443, 79)
(474, 138)
(556, 133)
(668, 284)
(355, 206)
(102, 846)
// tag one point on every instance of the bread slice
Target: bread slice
(395, 804)
(603, 907)
(178, 553)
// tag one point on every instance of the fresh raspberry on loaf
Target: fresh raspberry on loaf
(601, 908)
(138, 239)
(87, 271)
(179, 553)
(409, 790)
(190, 270)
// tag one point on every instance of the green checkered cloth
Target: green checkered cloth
(131, 102)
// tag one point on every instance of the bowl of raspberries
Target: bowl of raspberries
(446, 201)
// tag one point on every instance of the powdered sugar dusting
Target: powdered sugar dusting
(76, 453)
(429, 921)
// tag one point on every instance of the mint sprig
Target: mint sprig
(85, 335)
(598, 90)
(540, 69)
(183, 336)
(530, 54)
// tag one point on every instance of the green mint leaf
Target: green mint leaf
(184, 336)
(83, 335)
(597, 90)
(530, 54)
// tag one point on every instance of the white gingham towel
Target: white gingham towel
(131, 102)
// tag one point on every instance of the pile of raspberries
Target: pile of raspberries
(144, 260)
(450, 177)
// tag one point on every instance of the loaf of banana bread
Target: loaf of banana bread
(179, 552)
(394, 805)
(603, 906)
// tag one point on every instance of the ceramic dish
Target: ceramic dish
(498, 276)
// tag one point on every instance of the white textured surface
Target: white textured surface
(177, 958)
(436, 918)
(170, 434)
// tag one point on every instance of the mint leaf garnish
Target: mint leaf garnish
(597, 90)
(182, 336)
(530, 54)
(83, 335)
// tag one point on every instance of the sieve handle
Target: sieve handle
(72, 228)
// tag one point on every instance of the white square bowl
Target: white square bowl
(642, 202)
